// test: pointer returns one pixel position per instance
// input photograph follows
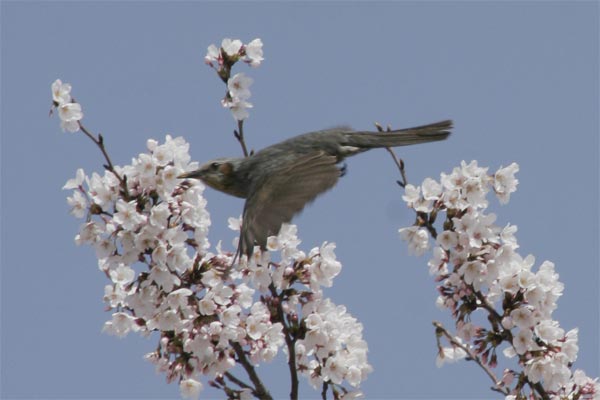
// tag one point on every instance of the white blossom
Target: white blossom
(213, 54)
(432, 190)
(76, 182)
(254, 52)
(505, 182)
(120, 325)
(239, 86)
(70, 114)
(61, 92)
(417, 238)
(231, 47)
(78, 204)
(127, 215)
(190, 388)
(450, 355)
(238, 107)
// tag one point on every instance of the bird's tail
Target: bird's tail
(401, 137)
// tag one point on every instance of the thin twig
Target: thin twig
(238, 381)
(109, 165)
(220, 383)
(400, 164)
(440, 329)
(261, 391)
(290, 343)
(239, 135)
(398, 161)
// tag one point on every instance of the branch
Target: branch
(497, 318)
(260, 392)
(440, 330)
(324, 391)
(427, 221)
(238, 381)
(239, 135)
(540, 389)
(290, 343)
(220, 383)
(109, 165)
(400, 164)
(398, 161)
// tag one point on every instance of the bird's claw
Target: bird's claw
(343, 169)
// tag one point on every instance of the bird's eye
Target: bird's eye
(214, 165)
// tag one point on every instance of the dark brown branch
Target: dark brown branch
(219, 383)
(496, 319)
(440, 330)
(324, 391)
(238, 381)
(540, 389)
(260, 392)
(290, 343)
(426, 221)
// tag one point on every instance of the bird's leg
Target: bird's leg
(343, 170)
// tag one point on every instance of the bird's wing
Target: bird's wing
(284, 194)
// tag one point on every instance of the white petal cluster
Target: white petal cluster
(238, 92)
(222, 59)
(333, 349)
(480, 270)
(254, 52)
(150, 234)
(69, 112)
(417, 238)
(235, 50)
(450, 355)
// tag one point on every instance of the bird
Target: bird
(280, 180)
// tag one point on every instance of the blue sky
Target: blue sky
(520, 80)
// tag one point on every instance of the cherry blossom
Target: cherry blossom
(479, 270)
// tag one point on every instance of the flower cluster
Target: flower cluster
(233, 50)
(479, 268)
(69, 111)
(150, 233)
(333, 349)
(151, 220)
(222, 60)
(328, 343)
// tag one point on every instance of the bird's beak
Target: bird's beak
(191, 174)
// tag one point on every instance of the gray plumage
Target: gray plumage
(279, 180)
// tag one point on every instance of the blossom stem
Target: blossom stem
(441, 329)
(260, 390)
(239, 135)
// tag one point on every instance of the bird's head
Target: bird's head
(219, 174)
